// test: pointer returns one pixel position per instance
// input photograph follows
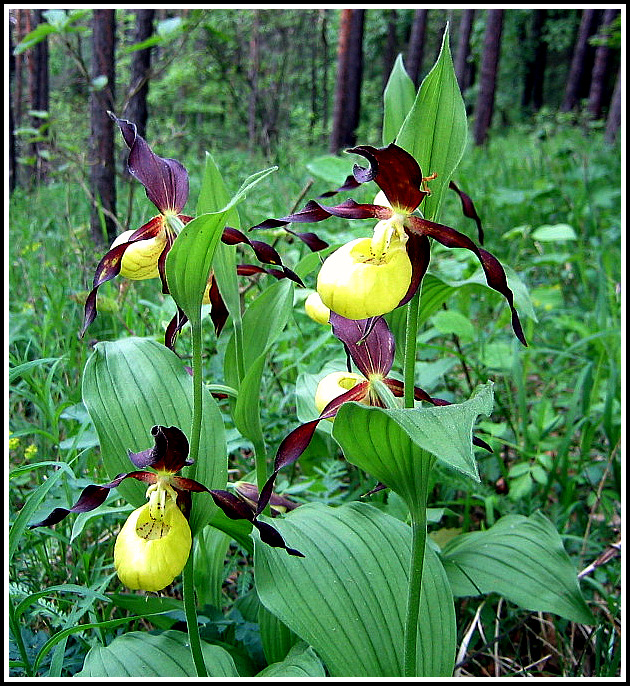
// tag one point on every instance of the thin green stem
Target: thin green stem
(15, 629)
(195, 429)
(418, 541)
(190, 610)
(411, 334)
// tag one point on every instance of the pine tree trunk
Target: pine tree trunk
(579, 60)
(488, 76)
(348, 84)
(390, 51)
(102, 170)
(614, 112)
(137, 109)
(535, 69)
(415, 51)
(461, 65)
(600, 68)
(13, 170)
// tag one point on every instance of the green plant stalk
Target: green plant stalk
(14, 626)
(418, 542)
(411, 335)
(190, 610)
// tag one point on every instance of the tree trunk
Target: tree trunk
(462, 65)
(253, 80)
(600, 68)
(614, 112)
(415, 51)
(137, 110)
(579, 60)
(102, 170)
(390, 51)
(12, 148)
(348, 85)
(323, 24)
(488, 76)
(535, 67)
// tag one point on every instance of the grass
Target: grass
(555, 430)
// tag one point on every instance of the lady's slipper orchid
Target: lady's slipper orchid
(315, 308)
(370, 345)
(153, 545)
(141, 253)
(400, 179)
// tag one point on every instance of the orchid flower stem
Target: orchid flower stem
(195, 430)
(190, 610)
(418, 541)
(190, 607)
(411, 334)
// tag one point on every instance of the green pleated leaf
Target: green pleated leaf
(346, 597)
(211, 546)
(392, 445)
(398, 99)
(522, 559)
(140, 654)
(299, 663)
(276, 637)
(133, 384)
(213, 197)
(189, 261)
(435, 129)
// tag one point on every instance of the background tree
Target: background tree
(348, 83)
(603, 55)
(488, 75)
(536, 63)
(462, 65)
(415, 50)
(136, 109)
(613, 121)
(579, 63)
(102, 168)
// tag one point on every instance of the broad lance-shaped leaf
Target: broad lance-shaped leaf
(392, 444)
(141, 654)
(133, 384)
(189, 262)
(300, 662)
(398, 99)
(435, 129)
(346, 596)
(522, 559)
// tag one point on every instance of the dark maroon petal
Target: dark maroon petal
(295, 443)
(395, 172)
(419, 252)
(165, 180)
(271, 537)
(169, 454)
(181, 483)
(349, 209)
(468, 208)
(231, 505)
(249, 492)
(348, 185)
(174, 327)
(219, 312)
(369, 342)
(495, 276)
(312, 240)
(264, 252)
(284, 273)
(91, 497)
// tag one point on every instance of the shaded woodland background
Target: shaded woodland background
(265, 80)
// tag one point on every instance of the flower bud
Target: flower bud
(316, 309)
(358, 281)
(140, 260)
(149, 553)
(333, 385)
